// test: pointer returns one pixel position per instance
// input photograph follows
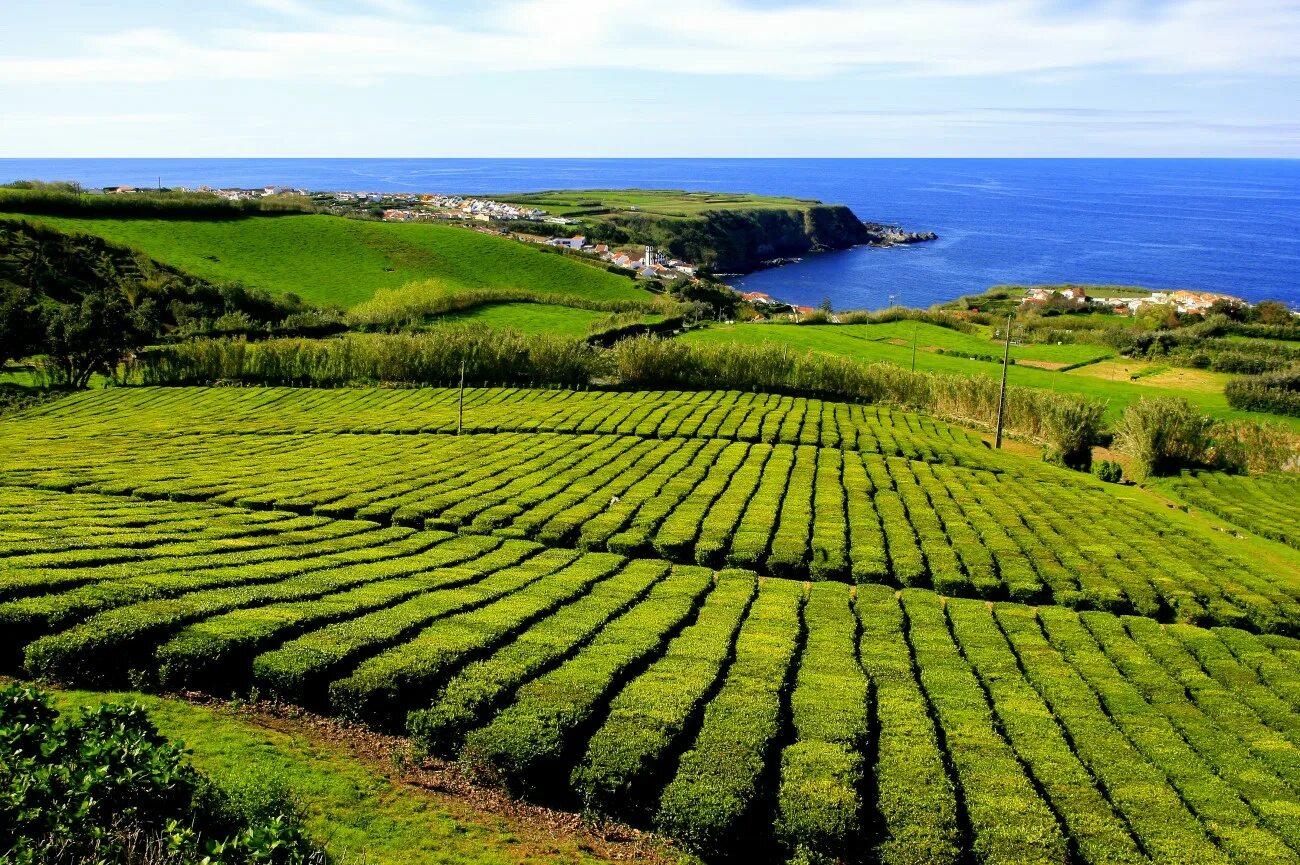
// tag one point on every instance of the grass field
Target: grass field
(770, 628)
(666, 203)
(1107, 380)
(332, 260)
(534, 318)
(528, 317)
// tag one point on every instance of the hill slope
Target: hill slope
(327, 259)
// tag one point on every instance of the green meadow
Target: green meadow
(1107, 380)
(528, 317)
(655, 202)
(332, 260)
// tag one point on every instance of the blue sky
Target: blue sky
(481, 78)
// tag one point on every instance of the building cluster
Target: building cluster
(236, 194)
(1194, 302)
(649, 264)
(409, 207)
(761, 299)
(228, 193)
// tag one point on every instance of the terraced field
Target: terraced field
(581, 598)
(1264, 505)
(788, 487)
(724, 709)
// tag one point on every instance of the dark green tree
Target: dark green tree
(1273, 312)
(20, 323)
(91, 336)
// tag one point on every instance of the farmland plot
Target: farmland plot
(770, 628)
(738, 714)
(963, 520)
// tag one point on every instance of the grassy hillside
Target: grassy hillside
(327, 259)
(528, 317)
(1108, 380)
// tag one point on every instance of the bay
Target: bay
(1230, 226)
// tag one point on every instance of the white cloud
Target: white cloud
(390, 38)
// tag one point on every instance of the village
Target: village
(1184, 302)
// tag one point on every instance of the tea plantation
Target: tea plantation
(769, 627)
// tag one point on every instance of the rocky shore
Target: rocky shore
(880, 234)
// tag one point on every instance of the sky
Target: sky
(650, 78)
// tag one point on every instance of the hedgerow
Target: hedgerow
(1207, 794)
(719, 780)
(1141, 791)
(483, 685)
(822, 772)
(300, 669)
(627, 757)
(527, 741)
(1009, 821)
(383, 689)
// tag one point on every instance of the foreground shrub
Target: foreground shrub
(104, 786)
(1161, 435)
(1108, 471)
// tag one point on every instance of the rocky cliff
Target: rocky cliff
(739, 241)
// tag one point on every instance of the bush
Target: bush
(1109, 471)
(104, 784)
(1162, 435)
(1276, 392)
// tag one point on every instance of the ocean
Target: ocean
(1229, 226)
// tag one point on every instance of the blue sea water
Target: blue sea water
(1219, 225)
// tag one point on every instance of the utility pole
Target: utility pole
(1002, 394)
(460, 405)
(914, 326)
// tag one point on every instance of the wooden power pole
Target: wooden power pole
(1002, 394)
(460, 404)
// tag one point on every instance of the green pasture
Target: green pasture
(528, 317)
(931, 336)
(664, 202)
(332, 260)
(1199, 388)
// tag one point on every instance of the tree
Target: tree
(1161, 435)
(1229, 308)
(1273, 312)
(825, 305)
(20, 323)
(91, 336)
